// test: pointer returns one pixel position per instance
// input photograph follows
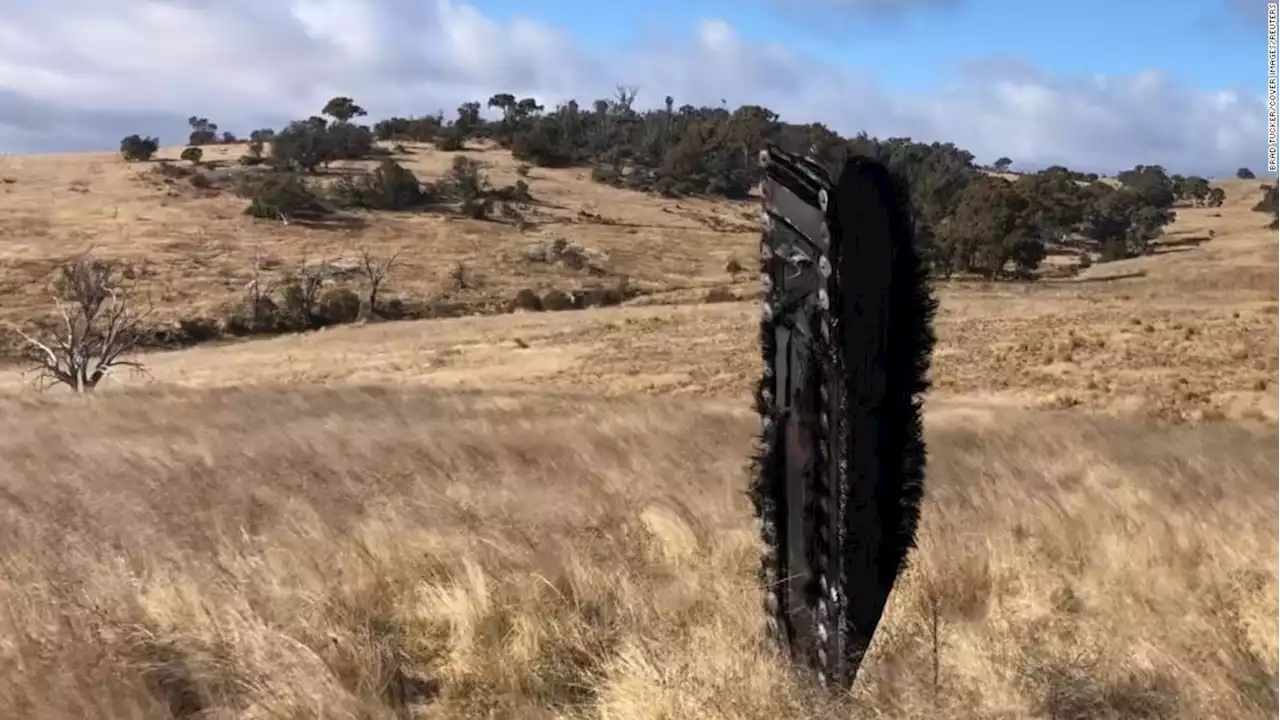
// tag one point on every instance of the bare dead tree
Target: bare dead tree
(303, 286)
(625, 95)
(375, 272)
(258, 292)
(100, 325)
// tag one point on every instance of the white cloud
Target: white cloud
(827, 10)
(78, 74)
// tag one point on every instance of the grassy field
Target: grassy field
(196, 251)
(542, 515)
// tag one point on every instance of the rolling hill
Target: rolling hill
(541, 514)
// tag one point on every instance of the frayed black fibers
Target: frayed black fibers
(852, 407)
(874, 212)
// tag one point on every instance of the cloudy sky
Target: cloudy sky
(1094, 84)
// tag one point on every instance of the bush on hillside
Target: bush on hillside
(303, 146)
(515, 193)
(1268, 203)
(468, 185)
(448, 140)
(284, 197)
(390, 186)
(136, 148)
(420, 129)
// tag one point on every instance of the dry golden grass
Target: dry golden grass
(1188, 333)
(313, 552)
(195, 252)
(542, 515)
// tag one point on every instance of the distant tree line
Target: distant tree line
(968, 221)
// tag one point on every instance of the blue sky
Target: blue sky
(1209, 44)
(1097, 85)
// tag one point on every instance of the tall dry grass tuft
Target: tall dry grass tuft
(1072, 567)
(371, 553)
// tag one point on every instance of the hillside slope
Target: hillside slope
(541, 515)
(196, 249)
(1189, 331)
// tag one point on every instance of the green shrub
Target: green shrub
(448, 140)
(390, 186)
(135, 148)
(283, 196)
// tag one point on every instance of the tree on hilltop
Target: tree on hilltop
(203, 132)
(1124, 224)
(994, 223)
(1151, 182)
(313, 143)
(343, 109)
(1193, 188)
